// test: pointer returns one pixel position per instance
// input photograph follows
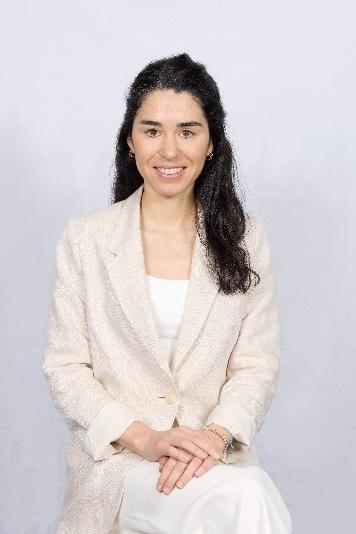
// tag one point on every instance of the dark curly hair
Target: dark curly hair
(223, 216)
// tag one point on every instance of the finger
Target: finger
(205, 466)
(188, 474)
(182, 437)
(197, 442)
(179, 455)
(201, 452)
(174, 475)
(166, 470)
(189, 449)
(162, 462)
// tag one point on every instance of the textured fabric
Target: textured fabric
(105, 367)
(228, 499)
(167, 298)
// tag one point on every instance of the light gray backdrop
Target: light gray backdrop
(286, 74)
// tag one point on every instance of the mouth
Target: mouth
(169, 172)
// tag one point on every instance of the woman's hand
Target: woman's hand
(177, 474)
(180, 443)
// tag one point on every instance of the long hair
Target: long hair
(223, 219)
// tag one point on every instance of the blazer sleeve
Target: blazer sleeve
(78, 396)
(253, 367)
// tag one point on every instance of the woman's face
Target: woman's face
(170, 133)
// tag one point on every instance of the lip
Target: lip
(170, 176)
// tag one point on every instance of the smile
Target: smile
(170, 172)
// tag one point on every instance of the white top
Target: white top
(167, 298)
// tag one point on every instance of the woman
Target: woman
(162, 353)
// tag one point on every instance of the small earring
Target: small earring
(210, 156)
(132, 154)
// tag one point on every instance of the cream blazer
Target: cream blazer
(105, 368)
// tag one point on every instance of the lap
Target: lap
(141, 483)
(216, 496)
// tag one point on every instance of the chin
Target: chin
(169, 188)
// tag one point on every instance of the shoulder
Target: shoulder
(254, 233)
(257, 243)
(94, 223)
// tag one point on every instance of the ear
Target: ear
(210, 147)
(129, 142)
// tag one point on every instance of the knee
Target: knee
(255, 484)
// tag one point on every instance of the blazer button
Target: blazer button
(170, 396)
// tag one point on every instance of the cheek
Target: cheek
(196, 153)
(144, 153)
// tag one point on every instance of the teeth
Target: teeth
(169, 171)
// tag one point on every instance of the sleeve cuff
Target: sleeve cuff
(239, 423)
(108, 425)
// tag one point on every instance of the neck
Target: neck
(168, 214)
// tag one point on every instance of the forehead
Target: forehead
(167, 106)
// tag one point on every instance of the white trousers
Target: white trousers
(227, 499)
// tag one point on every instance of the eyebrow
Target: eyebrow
(179, 124)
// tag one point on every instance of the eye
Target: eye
(151, 130)
(190, 132)
(186, 133)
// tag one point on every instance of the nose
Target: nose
(169, 146)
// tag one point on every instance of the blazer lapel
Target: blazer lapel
(126, 269)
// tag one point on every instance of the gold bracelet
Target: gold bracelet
(219, 434)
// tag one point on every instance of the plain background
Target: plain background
(286, 75)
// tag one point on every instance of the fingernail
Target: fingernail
(179, 484)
